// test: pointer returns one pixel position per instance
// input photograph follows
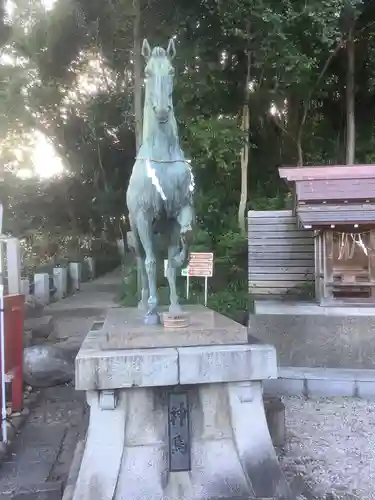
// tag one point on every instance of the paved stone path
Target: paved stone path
(43, 451)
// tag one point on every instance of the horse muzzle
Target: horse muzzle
(162, 114)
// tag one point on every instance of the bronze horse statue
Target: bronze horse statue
(161, 186)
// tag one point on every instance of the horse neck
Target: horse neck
(160, 140)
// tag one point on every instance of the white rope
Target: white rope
(347, 244)
(151, 173)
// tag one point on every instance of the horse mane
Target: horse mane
(158, 52)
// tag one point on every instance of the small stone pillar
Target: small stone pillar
(41, 287)
(90, 262)
(275, 415)
(60, 282)
(13, 250)
(130, 240)
(75, 273)
(25, 286)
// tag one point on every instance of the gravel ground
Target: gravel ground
(330, 443)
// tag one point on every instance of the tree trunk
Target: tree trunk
(5, 29)
(245, 126)
(350, 101)
(137, 73)
(290, 156)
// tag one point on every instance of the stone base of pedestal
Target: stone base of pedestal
(134, 451)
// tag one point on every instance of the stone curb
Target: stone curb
(16, 423)
(41, 491)
(322, 382)
(73, 471)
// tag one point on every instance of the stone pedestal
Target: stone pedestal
(75, 272)
(60, 281)
(41, 287)
(176, 415)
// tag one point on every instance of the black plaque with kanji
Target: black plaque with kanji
(179, 432)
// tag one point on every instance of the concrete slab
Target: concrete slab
(330, 388)
(290, 372)
(218, 352)
(284, 387)
(286, 307)
(318, 341)
(124, 329)
(322, 382)
(210, 364)
(96, 369)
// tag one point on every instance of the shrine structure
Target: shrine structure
(338, 204)
(312, 280)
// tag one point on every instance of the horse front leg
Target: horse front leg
(145, 233)
(142, 280)
(143, 303)
(173, 252)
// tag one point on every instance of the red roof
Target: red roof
(332, 183)
(291, 174)
(337, 192)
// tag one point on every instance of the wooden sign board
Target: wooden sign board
(201, 265)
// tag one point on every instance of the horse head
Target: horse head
(159, 74)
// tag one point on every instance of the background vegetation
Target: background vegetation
(260, 83)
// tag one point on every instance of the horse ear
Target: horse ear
(171, 50)
(146, 49)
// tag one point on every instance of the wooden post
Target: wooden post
(328, 263)
(371, 262)
(319, 266)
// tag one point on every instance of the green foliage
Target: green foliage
(53, 60)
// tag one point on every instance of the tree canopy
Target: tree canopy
(259, 83)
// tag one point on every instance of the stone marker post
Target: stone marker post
(13, 250)
(91, 267)
(60, 281)
(25, 286)
(41, 287)
(75, 272)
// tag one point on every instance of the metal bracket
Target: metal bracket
(107, 400)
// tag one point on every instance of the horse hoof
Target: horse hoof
(152, 319)
(175, 309)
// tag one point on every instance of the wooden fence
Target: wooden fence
(281, 255)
